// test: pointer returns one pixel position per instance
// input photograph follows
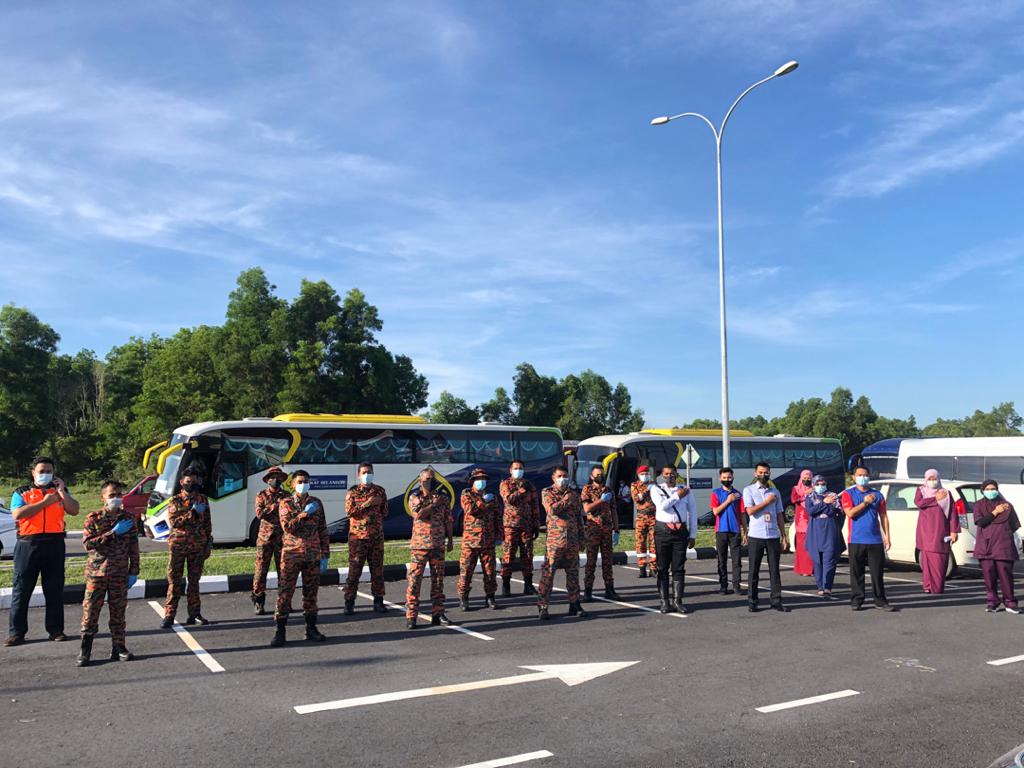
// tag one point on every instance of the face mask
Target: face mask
(806, 482)
(186, 486)
(114, 504)
(933, 483)
(862, 480)
(562, 482)
(517, 474)
(991, 495)
(666, 480)
(426, 484)
(274, 483)
(726, 483)
(301, 488)
(763, 479)
(366, 478)
(479, 485)
(44, 478)
(597, 479)
(645, 478)
(820, 489)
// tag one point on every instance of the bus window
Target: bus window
(800, 457)
(495, 448)
(970, 468)
(918, 465)
(229, 474)
(828, 455)
(387, 447)
(323, 450)
(437, 447)
(739, 456)
(772, 455)
(537, 446)
(710, 457)
(1005, 469)
(261, 453)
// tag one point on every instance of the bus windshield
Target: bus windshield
(588, 457)
(169, 475)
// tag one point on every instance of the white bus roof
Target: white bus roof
(963, 446)
(618, 441)
(202, 427)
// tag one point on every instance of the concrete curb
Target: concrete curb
(242, 582)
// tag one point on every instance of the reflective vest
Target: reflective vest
(48, 520)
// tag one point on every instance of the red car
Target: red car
(137, 498)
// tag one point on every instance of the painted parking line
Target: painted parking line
(634, 606)
(808, 700)
(512, 760)
(190, 642)
(1004, 662)
(453, 627)
(743, 583)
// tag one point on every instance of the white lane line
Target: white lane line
(190, 642)
(513, 760)
(453, 627)
(762, 589)
(624, 604)
(887, 577)
(1001, 662)
(809, 700)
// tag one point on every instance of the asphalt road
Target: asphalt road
(925, 694)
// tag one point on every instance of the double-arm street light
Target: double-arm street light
(785, 69)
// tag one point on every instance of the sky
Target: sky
(486, 173)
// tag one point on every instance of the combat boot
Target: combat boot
(279, 638)
(666, 606)
(575, 609)
(542, 611)
(350, 607)
(588, 595)
(312, 633)
(258, 604)
(85, 653)
(196, 618)
(490, 602)
(610, 593)
(120, 653)
(410, 623)
(506, 587)
(378, 605)
(167, 623)
(643, 572)
(441, 619)
(679, 598)
(528, 588)
(464, 603)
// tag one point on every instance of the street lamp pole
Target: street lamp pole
(785, 69)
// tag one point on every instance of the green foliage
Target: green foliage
(450, 409)
(1001, 421)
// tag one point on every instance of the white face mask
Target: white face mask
(562, 482)
(301, 488)
(479, 485)
(645, 478)
(114, 504)
(44, 478)
(366, 478)
(933, 483)
(820, 489)
(517, 474)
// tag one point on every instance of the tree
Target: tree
(1003, 420)
(498, 408)
(76, 393)
(450, 409)
(27, 348)
(591, 407)
(537, 399)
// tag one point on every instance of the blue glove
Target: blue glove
(615, 538)
(323, 565)
(132, 578)
(121, 527)
(606, 496)
(310, 508)
(200, 507)
(488, 497)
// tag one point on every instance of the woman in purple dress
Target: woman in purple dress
(994, 546)
(938, 526)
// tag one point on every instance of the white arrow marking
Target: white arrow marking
(570, 674)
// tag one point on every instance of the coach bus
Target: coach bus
(234, 456)
(620, 455)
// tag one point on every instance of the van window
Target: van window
(918, 465)
(1004, 469)
(971, 468)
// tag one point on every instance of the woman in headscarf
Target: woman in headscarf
(994, 546)
(824, 541)
(803, 564)
(938, 526)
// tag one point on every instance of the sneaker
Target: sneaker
(1012, 610)
(58, 637)
(993, 609)
(13, 640)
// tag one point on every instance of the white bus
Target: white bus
(620, 455)
(234, 456)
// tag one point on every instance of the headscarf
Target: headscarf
(816, 478)
(929, 492)
(801, 489)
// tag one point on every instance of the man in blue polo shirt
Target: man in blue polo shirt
(727, 507)
(766, 534)
(868, 538)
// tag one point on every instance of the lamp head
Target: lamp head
(786, 68)
(660, 120)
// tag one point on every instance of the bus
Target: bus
(234, 456)
(880, 458)
(620, 455)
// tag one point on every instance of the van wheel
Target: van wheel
(254, 532)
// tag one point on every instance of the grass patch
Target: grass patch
(237, 560)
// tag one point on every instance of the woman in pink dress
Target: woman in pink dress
(938, 526)
(802, 563)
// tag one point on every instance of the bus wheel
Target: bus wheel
(254, 532)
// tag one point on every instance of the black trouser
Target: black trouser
(874, 556)
(726, 542)
(757, 548)
(670, 547)
(32, 557)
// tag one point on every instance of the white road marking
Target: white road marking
(513, 760)
(1002, 662)
(809, 700)
(570, 674)
(624, 604)
(760, 588)
(190, 642)
(453, 627)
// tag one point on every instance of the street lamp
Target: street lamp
(785, 69)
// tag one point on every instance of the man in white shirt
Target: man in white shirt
(675, 525)
(766, 534)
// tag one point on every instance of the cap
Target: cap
(478, 472)
(643, 468)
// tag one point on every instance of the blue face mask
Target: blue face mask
(820, 489)
(862, 480)
(479, 485)
(991, 495)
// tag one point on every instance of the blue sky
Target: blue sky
(486, 173)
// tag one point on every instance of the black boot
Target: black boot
(542, 612)
(120, 653)
(666, 606)
(312, 633)
(678, 590)
(528, 588)
(167, 623)
(86, 651)
(610, 593)
(410, 623)
(258, 603)
(196, 618)
(378, 605)
(464, 603)
(279, 638)
(441, 619)
(588, 595)
(575, 609)
(350, 607)
(491, 603)
(506, 587)
(643, 572)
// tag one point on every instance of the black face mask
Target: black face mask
(275, 484)
(597, 479)
(726, 483)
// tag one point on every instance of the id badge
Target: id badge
(767, 518)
